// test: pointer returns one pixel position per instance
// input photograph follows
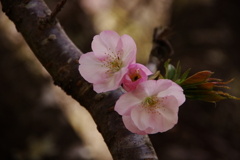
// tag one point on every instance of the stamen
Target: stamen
(135, 76)
(113, 62)
(152, 104)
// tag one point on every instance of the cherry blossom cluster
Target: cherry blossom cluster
(148, 106)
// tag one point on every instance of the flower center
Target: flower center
(113, 62)
(135, 76)
(116, 65)
(152, 103)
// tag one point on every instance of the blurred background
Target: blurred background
(40, 122)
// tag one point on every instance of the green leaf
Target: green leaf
(171, 72)
(166, 68)
(184, 76)
(178, 72)
(204, 95)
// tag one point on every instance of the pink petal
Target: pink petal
(176, 91)
(126, 102)
(141, 118)
(160, 124)
(99, 48)
(119, 47)
(128, 84)
(131, 126)
(168, 116)
(149, 131)
(110, 83)
(170, 108)
(163, 84)
(105, 43)
(148, 88)
(90, 68)
(140, 92)
(142, 67)
(110, 38)
(129, 49)
(178, 95)
(164, 124)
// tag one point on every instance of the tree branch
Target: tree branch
(60, 57)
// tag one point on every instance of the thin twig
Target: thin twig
(57, 9)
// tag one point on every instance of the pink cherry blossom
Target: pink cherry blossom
(136, 74)
(152, 107)
(109, 61)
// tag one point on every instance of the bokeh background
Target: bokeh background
(40, 122)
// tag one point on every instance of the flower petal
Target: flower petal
(138, 74)
(110, 38)
(163, 84)
(176, 91)
(131, 126)
(147, 87)
(126, 102)
(105, 43)
(110, 83)
(99, 48)
(168, 116)
(143, 68)
(90, 68)
(141, 118)
(129, 49)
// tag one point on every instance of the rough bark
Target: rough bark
(60, 57)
